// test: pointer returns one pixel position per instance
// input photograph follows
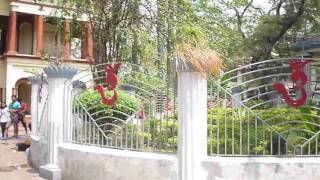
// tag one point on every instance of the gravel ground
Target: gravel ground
(13, 164)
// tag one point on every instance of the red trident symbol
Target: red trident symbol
(299, 79)
(112, 81)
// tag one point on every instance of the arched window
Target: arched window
(25, 38)
(23, 90)
(51, 40)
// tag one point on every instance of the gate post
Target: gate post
(192, 139)
(57, 77)
(34, 80)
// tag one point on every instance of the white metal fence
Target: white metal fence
(248, 117)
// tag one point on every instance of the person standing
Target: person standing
(4, 120)
(14, 109)
(22, 113)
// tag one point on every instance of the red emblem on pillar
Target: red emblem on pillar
(299, 79)
(112, 81)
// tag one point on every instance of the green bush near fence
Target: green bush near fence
(125, 106)
(230, 131)
(154, 135)
(241, 133)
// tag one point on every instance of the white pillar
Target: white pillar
(43, 107)
(192, 147)
(34, 80)
(70, 90)
(57, 78)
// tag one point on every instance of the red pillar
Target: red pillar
(89, 43)
(39, 27)
(12, 34)
(67, 46)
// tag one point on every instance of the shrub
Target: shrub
(259, 135)
(125, 106)
(153, 134)
(230, 130)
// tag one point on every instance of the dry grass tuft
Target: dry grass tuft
(203, 60)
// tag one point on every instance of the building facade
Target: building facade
(307, 45)
(28, 30)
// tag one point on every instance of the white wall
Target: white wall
(3, 74)
(80, 162)
(4, 8)
(17, 68)
(262, 168)
(88, 162)
(38, 152)
(41, 9)
(14, 73)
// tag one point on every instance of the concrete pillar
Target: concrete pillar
(58, 77)
(42, 106)
(12, 34)
(70, 90)
(236, 97)
(67, 45)
(192, 97)
(39, 29)
(34, 80)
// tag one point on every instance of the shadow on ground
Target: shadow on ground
(13, 164)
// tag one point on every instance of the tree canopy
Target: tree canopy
(148, 31)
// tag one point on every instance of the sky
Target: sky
(264, 4)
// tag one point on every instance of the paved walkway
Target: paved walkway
(13, 164)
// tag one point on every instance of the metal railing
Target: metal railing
(132, 134)
(248, 117)
(143, 119)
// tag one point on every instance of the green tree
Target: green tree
(148, 31)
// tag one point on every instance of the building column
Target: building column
(12, 34)
(67, 45)
(34, 80)
(89, 43)
(39, 28)
(192, 144)
(58, 77)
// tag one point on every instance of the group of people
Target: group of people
(13, 114)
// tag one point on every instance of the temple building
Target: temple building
(28, 30)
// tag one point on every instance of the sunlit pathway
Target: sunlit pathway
(13, 164)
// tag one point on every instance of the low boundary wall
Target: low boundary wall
(87, 162)
(38, 154)
(262, 168)
(80, 162)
